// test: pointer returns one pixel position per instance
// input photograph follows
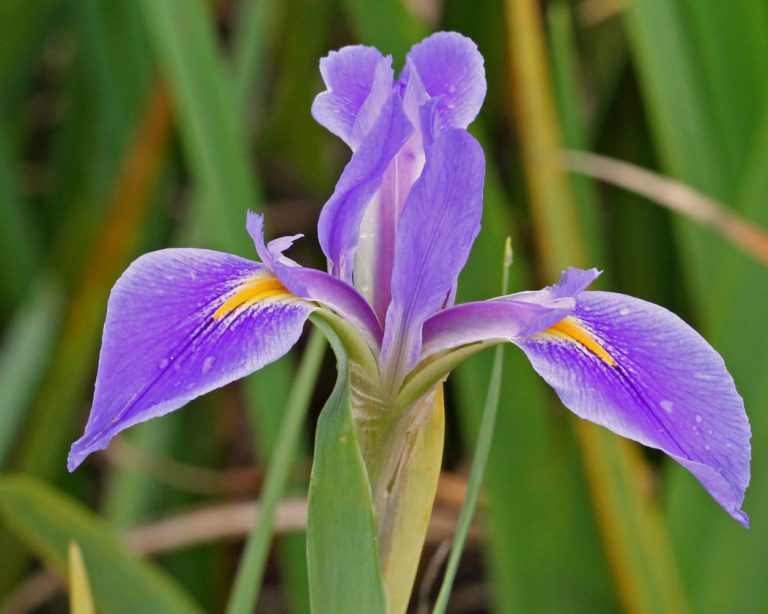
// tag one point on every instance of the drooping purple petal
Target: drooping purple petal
(435, 233)
(163, 346)
(668, 388)
(451, 68)
(350, 75)
(340, 219)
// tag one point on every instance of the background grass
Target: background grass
(129, 126)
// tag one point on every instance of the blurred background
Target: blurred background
(132, 125)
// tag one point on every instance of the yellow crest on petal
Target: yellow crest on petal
(252, 291)
(571, 329)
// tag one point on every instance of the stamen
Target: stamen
(570, 329)
(253, 291)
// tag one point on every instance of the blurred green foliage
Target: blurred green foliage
(128, 126)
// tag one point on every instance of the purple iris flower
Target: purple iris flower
(397, 231)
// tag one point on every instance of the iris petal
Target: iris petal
(506, 317)
(668, 388)
(340, 219)
(349, 74)
(180, 323)
(451, 69)
(439, 223)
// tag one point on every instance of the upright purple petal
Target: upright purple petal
(451, 69)
(176, 329)
(640, 371)
(340, 219)
(435, 233)
(350, 75)
(369, 112)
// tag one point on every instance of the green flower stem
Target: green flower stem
(480, 459)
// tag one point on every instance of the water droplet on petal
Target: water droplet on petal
(163, 363)
(451, 89)
(207, 364)
(707, 447)
(624, 312)
(667, 406)
(698, 418)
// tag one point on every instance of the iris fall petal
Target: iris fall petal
(167, 340)
(668, 389)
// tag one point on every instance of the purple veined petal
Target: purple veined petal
(505, 317)
(334, 293)
(572, 282)
(435, 234)
(381, 90)
(375, 253)
(342, 215)
(349, 74)
(451, 68)
(181, 323)
(644, 374)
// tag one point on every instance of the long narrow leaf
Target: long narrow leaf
(632, 528)
(480, 458)
(344, 572)
(46, 520)
(249, 574)
(80, 599)
(184, 41)
(25, 347)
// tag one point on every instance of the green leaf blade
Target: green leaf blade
(344, 570)
(46, 521)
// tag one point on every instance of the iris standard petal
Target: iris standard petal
(435, 232)
(349, 74)
(182, 322)
(340, 219)
(451, 68)
(640, 371)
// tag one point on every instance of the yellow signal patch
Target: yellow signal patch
(570, 329)
(252, 291)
